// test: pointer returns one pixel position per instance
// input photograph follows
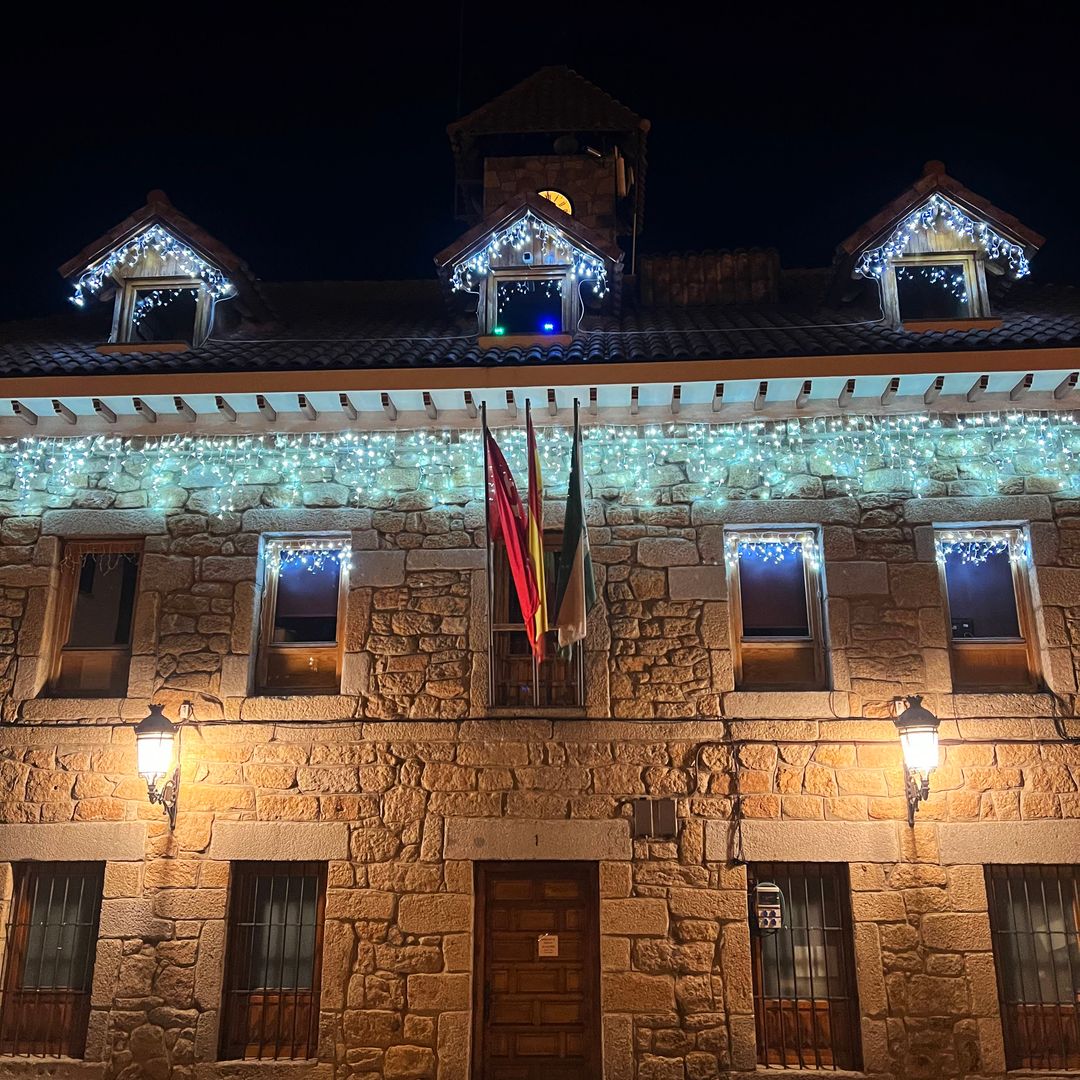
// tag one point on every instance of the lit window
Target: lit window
(518, 679)
(97, 605)
(1033, 922)
(775, 587)
(304, 588)
(529, 305)
(559, 199)
(273, 961)
(986, 591)
(49, 963)
(805, 1001)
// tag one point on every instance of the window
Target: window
(529, 305)
(559, 199)
(518, 680)
(935, 287)
(163, 310)
(775, 586)
(49, 963)
(805, 1003)
(1033, 920)
(97, 605)
(305, 582)
(984, 572)
(273, 960)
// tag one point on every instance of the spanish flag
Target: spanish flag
(535, 535)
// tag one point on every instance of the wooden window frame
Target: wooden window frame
(974, 269)
(267, 588)
(813, 577)
(70, 569)
(240, 1004)
(558, 273)
(835, 1017)
(500, 582)
(123, 332)
(964, 654)
(57, 1017)
(1038, 1034)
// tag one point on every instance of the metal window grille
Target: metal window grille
(274, 960)
(1034, 921)
(805, 1003)
(49, 962)
(518, 679)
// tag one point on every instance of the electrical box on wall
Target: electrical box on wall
(654, 819)
(768, 906)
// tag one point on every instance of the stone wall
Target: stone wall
(409, 756)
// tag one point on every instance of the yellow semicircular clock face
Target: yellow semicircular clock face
(559, 199)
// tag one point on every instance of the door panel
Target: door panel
(537, 1014)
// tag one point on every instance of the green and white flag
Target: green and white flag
(576, 591)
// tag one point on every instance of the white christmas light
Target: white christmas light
(160, 240)
(945, 277)
(317, 554)
(938, 210)
(975, 546)
(556, 249)
(773, 547)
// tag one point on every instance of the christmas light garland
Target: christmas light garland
(315, 555)
(942, 276)
(975, 546)
(937, 209)
(556, 250)
(149, 299)
(773, 547)
(920, 454)
(162, 242)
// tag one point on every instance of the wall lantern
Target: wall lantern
(918, 730)
(155, 736)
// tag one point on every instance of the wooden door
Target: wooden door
(537, 1007)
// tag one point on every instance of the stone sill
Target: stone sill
(25, 1067)
(513, 712)
(265, 1069)
(843, 1074)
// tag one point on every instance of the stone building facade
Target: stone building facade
(409, 779)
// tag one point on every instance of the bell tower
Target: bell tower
(556, 135)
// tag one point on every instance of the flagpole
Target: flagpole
(490, 567)
(535, 666)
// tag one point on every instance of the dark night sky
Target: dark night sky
(316, 148)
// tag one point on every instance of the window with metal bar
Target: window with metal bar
(1034, 923)
(518, 679)
(274, 960)
(805, 1001)
(49, 958)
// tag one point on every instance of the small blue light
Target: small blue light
(549, 327)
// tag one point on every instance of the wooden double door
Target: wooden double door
(537, 1004)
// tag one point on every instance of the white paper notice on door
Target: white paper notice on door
(547, 945)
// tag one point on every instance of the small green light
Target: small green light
(499, 331)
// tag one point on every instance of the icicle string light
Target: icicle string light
(940, 211)
(556, 249)
(975, 454)
(166, 246)
(155, 298)
(317, 554)
(773, 547)
(948, 278)
(975, 546)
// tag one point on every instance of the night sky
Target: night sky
(316, 147)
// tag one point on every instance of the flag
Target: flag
(535, 534)
(576, 592)
(506, 518)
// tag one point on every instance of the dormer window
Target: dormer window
(529, 305)
(559, 199)
(935, 288)
(165, 310)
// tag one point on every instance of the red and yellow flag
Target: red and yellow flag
(535, 536)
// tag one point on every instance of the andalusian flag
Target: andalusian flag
(576, 593)
(535, 535)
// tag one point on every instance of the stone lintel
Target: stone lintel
(481, 839)
(1035, 842)
(102, 522)
(89, 841)
(279, 841)
(795, 841)
(973, 510)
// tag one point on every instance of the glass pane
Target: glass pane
(982, 601)
(932, 291)
(104, 601)
(307, 598)
(283, 937)
(164, 315)
(773, 594)
(529, 307)
(63, 911)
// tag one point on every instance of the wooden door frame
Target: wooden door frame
(482, 873)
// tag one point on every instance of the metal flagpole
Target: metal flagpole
(528, 453)
(490, 567)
